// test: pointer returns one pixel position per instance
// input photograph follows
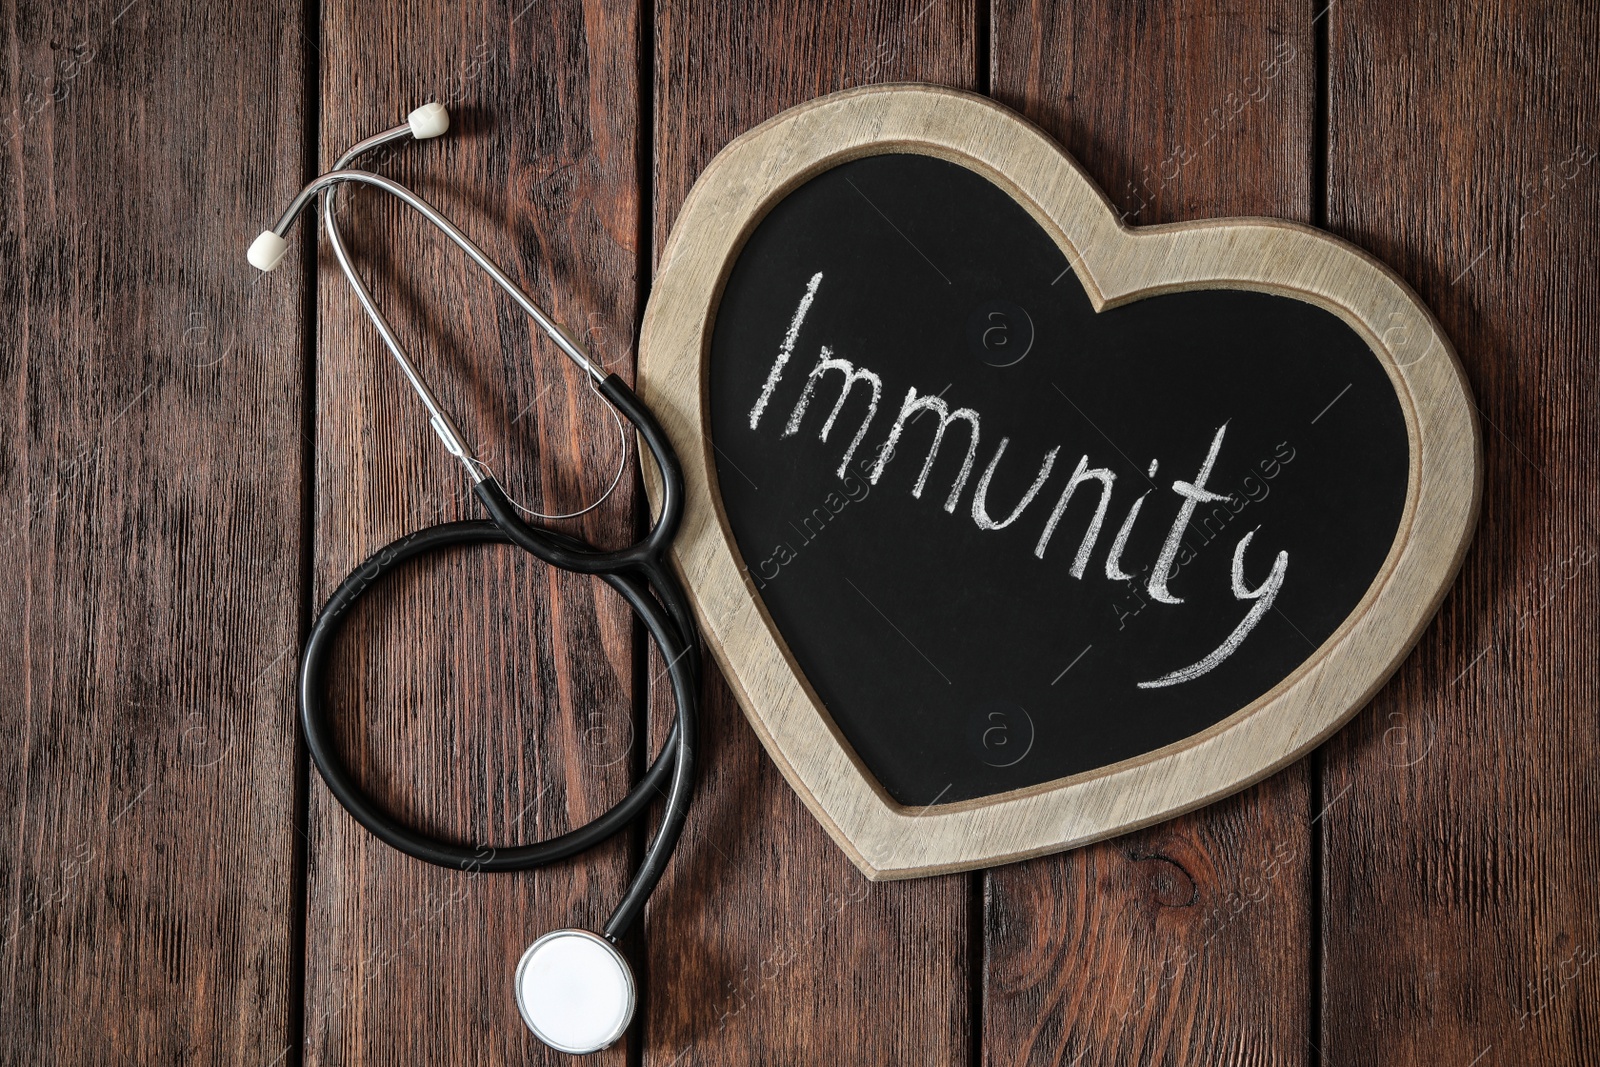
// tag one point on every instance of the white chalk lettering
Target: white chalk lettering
(914, 405)
(1086, 546)
(1193, 493)
(1176, 552)
(1114, 569)
(851, 377)
(980, 496)
(1263, 595)
(775, 375)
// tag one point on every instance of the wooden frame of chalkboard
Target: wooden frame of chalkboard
(1117, 265)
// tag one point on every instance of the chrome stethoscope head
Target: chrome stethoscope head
(268, 250)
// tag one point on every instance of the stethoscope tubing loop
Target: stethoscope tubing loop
(671, 773)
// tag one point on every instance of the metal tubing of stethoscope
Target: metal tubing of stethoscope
(377, 140)
(443, 425)
(551, 328)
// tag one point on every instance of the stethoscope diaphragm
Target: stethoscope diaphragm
(575, 991)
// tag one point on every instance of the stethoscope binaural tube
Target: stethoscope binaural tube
(574, 989)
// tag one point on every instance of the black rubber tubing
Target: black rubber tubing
(636, 573)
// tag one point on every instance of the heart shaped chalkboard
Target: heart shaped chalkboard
(1014, 528)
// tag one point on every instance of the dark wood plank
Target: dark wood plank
(1462, 879)
(485, 698)
(766, 945)
(150, 573)
(1188, 942)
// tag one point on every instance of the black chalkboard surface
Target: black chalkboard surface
(967, 633)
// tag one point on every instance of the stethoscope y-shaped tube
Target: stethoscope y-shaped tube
(559, 962)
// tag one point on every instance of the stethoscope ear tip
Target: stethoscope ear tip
(429, 120)
(266, 251)
(575, 991)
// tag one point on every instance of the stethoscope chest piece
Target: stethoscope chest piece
(575, 991)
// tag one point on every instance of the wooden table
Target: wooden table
(193, 456)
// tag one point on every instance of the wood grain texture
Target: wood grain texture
(1462, 884)
(150, 545)
(483, 697)
(766, 945)
(1124, 951)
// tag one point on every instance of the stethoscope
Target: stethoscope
(574, 989)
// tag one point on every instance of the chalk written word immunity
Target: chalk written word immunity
(1190, 493)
